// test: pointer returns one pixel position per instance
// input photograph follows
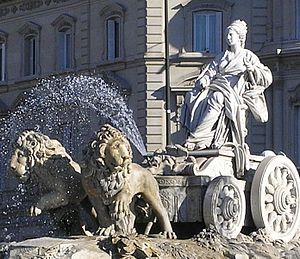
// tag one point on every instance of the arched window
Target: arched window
(31, 37)
(112, 18)
(207, 31)
(3, 58)
(65, 31)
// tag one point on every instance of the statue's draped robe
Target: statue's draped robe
(217, 114)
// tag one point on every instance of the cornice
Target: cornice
(10, 7)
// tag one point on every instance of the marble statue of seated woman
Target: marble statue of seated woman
(233, 84)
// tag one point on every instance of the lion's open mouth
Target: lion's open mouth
(121, 164)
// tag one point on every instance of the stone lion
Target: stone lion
(113, 182)
(44, 163)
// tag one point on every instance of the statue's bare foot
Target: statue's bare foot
(106, 231)
(165, 234)
(168, 234)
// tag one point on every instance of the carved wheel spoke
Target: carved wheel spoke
(275, 197)
(224, 206)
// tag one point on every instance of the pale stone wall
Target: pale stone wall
(155, 75)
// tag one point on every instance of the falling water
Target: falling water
(59, 103)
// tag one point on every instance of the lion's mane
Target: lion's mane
(109, 181)
(38, 147)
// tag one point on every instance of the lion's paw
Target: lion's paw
(121, 209)
(106, 231)
(35, 211)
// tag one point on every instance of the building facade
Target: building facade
(126, 41)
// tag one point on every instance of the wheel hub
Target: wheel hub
(281, 200)
(229, 208)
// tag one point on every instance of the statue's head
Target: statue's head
(31, 149)
(111, 149)
(240, 27)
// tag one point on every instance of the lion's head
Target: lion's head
(111, 149)
(109, 157)
(32, 148)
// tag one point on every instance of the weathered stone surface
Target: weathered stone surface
(208, 244)
(46, 247)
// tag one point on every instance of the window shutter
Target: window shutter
(2, 60)
(27, 57)
(218, 32)
(117, 38)
(297, 25)
(32, 55)
(199, 32)
(211, 33)
(67, 49)
(111, 39)
(61, 52)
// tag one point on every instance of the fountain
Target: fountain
(212, 178)
(66, 108)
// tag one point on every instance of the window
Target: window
(30, 59)
(113, 38)
(65, 49)
(30, 54)
(112, 21)
(207, 31)
(2, 60)
(297, 135)
(3, 57)
(297, 19)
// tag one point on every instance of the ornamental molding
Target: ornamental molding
(112, 9)
(25, 6)
(29, 28)
(208, 4)
(3, 36)
(64, 20)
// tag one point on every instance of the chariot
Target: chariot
(229, 189)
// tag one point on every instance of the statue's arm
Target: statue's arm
(205, 77)
(261, 74)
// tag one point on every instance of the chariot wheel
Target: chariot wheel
(275, 198)
(224, 205)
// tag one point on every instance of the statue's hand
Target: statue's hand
(201, 83)
(248, 64)
(35, 211)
